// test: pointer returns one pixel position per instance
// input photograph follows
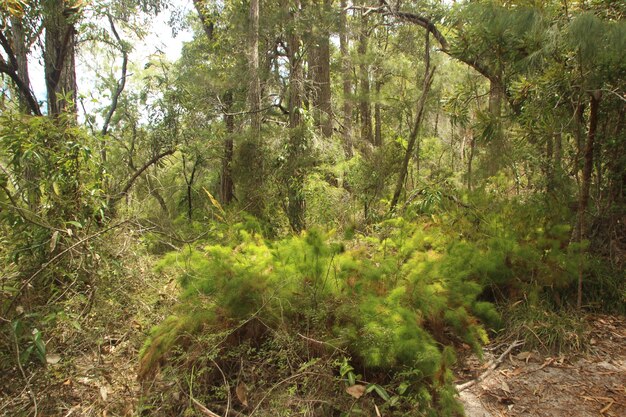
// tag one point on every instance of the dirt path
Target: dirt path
(530, 384)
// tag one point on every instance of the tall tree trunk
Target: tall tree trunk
(346, 70)
(378, 136)
(59, 58)
(20, 50)
(583, 200)
(297, 139)
(496, 142)
(226, 183)
(419, 115)
(321, 71)
(250, 182)
(364, 84)
(254, 95)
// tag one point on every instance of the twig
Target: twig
(19, 365)
(491, 368)
(57, 256)
(203, 409)
(227, 387)
(321, 342)
(276, 385)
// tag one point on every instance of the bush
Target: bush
(389, 303)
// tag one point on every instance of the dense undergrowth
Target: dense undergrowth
(301, 324)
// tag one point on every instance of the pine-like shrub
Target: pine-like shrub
(390, 302)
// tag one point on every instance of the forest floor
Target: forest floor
(528, 383)
(93, 359)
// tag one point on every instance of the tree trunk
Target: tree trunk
(255, 86)
(226, 184)
(364, 83)
(470, 159)
(59, 58)
(378, 137)
(419, 115)
(297, 140)
(321, 72)
(20, 50)
(583, 201)
(346, 80)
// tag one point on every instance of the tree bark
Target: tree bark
(254, 95)
(346, 70)
(296, 145)
(419, 114)
(59, 58)
(226, 183)
(378, 136)
(583, 201)
(21, 56)
(321, 72)
(364, 84)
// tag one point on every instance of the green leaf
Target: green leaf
(379, 390)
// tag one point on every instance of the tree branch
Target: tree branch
(10, 69)
(120, 84)
(113, 200)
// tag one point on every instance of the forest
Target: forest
(319, 208)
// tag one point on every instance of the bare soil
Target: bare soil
(534, 384)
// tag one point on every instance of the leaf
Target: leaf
(215, 203)
(104, 392)
(379, 390)
(39, 344)
(75, 223)
(356, 391)
(505, 387)
(242, 393)
(53, 359)
(53, 240)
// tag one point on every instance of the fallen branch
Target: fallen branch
(492, 366)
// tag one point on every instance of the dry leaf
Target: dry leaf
(53, 240)
(356, 391)
(104, 393)
(505, 387)
(53, 359)
(242, 393)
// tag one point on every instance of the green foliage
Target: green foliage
(389, 302)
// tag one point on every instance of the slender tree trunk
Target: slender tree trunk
(255, 85)
(470, 159)
(59, 58)
(322, 72)
(364, 83)
(344, 41)
(378, 136)
(419, 115)
(297, 140)
(226, 185)
(583, 201)
(496, 142)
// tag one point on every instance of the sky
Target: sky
(159, 37)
